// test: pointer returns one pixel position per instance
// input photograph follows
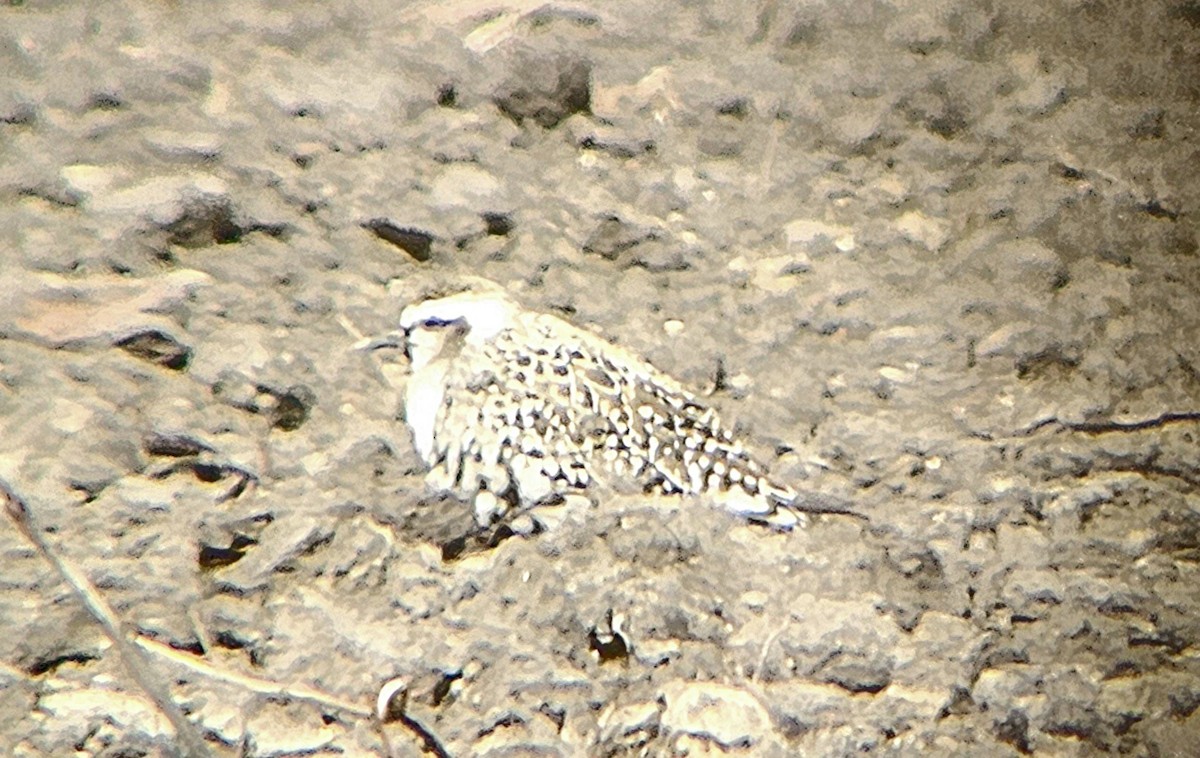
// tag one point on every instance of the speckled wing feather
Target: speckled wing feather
(545, 407)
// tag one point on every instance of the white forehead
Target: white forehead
(485, 314)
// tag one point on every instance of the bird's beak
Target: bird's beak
(391, 340)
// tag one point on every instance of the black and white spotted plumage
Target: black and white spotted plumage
(509, 404)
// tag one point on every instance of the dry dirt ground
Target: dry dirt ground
(939, 259)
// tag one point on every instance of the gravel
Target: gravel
(939, 260)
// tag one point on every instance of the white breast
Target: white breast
(423, 397)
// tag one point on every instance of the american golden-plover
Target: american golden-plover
(511, 406)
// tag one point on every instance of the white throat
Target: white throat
(437, 330)
(423, 397)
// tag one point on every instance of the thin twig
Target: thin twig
(766, 647)
(1103, 427)
(135, 654)
(252, 683)
(428, 739)
(429, 742)
(190, 743)
(1134, 426)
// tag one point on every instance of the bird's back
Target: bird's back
(544, 407)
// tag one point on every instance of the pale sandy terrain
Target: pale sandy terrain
(938, 259)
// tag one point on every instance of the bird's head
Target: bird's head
(429, 326)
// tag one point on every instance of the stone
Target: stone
(726, 716)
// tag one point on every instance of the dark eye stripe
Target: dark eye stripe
(431, 323)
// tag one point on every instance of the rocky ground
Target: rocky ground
(938, 258)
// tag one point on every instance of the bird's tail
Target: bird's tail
(791, 509)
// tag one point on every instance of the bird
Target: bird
(514, 407)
